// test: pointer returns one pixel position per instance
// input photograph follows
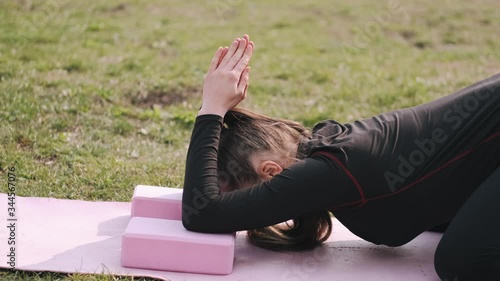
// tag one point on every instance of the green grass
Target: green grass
(97, 97)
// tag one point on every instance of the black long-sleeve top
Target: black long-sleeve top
(387, 178)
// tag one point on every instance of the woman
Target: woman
(387, 178)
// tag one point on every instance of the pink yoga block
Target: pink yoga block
(157, 202)
(160, 244)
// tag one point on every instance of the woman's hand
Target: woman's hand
(227, 79)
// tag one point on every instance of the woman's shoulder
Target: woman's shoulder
(328, 128)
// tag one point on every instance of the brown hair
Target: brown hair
(245, 133)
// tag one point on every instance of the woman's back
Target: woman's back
(414, 167)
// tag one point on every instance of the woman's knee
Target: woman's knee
(445, 262)
(463, 262)
(452, 256)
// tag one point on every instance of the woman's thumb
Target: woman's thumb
(245, 77)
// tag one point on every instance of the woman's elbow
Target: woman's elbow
(188, 224)
(196, 212)
(188, 220)
(192, 221)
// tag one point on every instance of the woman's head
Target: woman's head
(254, 148)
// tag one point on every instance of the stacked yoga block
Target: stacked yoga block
(156, 239)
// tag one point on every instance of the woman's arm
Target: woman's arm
(309, 186)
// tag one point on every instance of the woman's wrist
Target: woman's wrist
(205, 111)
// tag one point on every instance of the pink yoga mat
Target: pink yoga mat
(80, 236)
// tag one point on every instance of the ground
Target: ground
(99, 96)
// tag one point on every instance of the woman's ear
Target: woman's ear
(268, 169)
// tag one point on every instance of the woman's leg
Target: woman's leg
(440, 228)
(470, 247)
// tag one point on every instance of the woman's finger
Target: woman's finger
(245, 92)
(237, 55)
(245, 59)
(223, 54)
(246, 37)
(230, 52)
(245, 77)
(215, 60)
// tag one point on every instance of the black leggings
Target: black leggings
(470, 246)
